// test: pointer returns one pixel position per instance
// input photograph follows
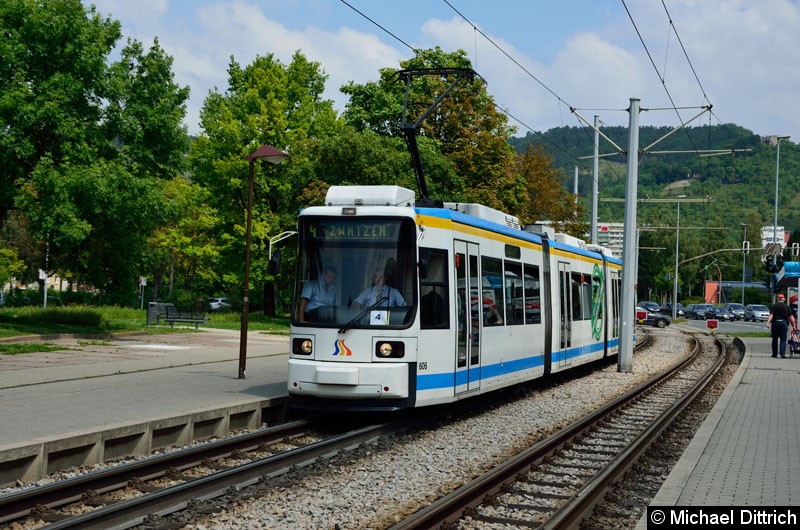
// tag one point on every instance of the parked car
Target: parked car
(700, 311)
(218, 304)
(680, 310)
(736, 309)
(651, 306)
(653, 318)
(722, 313)
(756, 312)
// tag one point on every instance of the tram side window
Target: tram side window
(433, 309)
(586, 297)
(515, 295)
(581, 297)
(492, 287)
(533, 295)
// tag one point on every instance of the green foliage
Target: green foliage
(265, 103)
(741, 186)
(70, 316)
(466, 127)
(186, 243)
(16, 349)
(29, 321)
(10, 266)
(85, 141)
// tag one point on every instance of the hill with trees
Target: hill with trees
(741, 185)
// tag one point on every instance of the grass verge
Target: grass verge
(84, 320)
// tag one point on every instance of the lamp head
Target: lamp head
(268, 153)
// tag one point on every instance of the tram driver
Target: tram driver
(319, 297)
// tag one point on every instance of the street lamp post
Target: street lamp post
(675, 279)
(677, 247)
(273, 156)
(744, 257)
(777, 173)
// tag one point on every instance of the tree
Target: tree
(52, 74)
(185, 244)
(10, 266)
(265, 103)
(543, 195)
(466, 127)
(87, 142)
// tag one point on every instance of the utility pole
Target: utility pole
(595, 178)
(629, 243)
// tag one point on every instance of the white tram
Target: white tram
(469, 302)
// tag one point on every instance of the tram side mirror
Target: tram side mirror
(275, 263)
(422, 264)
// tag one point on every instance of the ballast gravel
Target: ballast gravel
(387, 481)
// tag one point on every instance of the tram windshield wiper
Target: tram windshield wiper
(361, 314)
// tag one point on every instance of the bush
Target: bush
(72, 316)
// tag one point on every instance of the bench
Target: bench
(192, 315)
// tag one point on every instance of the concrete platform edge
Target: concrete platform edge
(32, 461)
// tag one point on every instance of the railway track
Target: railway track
(193, 482)
(126, 495)
(558, 482)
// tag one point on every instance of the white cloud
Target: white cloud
(743, 53)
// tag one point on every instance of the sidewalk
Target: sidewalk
(132, 393)
(746, 453)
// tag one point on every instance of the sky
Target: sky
(539, 58)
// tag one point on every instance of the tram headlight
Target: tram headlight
(390, 350)
(302, 346)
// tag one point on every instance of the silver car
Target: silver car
(736, 309)
(756, 312)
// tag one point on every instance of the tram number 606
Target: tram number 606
(422, 366)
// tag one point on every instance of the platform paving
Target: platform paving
(130, 394)
(747, 451)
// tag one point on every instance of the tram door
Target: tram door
(565, 307)
(469, 316)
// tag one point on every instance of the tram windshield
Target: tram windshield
(355, 272)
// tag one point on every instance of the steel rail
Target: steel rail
(58, 494)
(452, 507)
(129, 513)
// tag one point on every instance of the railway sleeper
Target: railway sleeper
(94, 499)
(48, 514)
(577, 463)
(176, 474)
(526, 506)
(574, 471)
(141, 486)
(531, 520)
(202, 507)
(213, 464)
(553, 491)
(598, 451)
(555, 481)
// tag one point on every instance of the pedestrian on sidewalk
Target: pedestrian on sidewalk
(779, 319)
